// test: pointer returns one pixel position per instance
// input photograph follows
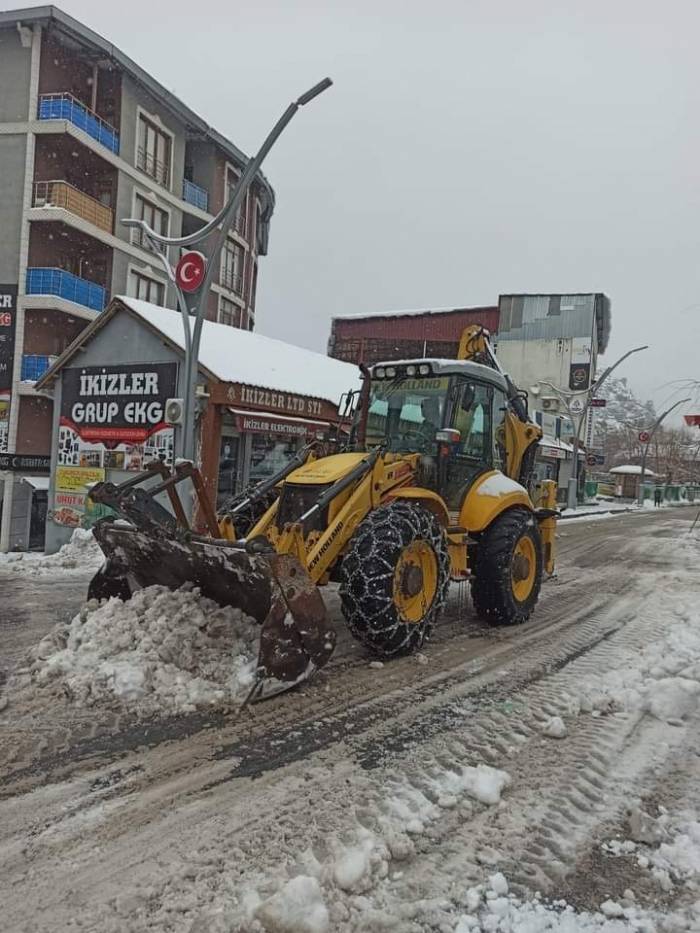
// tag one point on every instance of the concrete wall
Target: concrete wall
(12, 156)
(15, 64)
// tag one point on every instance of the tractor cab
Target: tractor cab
(450, 412)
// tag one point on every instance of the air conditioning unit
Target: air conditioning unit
(174, 411)
(550, 404)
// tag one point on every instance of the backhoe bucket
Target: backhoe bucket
(274, 589)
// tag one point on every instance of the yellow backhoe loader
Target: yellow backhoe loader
(434, 485)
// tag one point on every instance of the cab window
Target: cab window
(473, 453)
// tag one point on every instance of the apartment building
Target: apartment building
(88, 138)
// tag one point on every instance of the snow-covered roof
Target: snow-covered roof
(631, 469)
(403, 313)
(235, 355)
(548, 441)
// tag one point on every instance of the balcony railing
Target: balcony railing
(63, 106)
(34, 367)
(233, 281)
(138, 239)
(49, 281)
(159, 171)
(193, 194)
(62, 194)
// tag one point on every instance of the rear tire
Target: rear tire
(394, 578)
(508, 569)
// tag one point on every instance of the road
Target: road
(355, 785)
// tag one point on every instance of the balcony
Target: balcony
(47, 281)
(193, 194)
(64, 106)
(34, 367)
(62, 194)
(154, 168)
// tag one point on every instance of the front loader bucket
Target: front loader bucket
(274, 589)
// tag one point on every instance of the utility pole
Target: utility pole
(192, 277)
(577, 405)
(645, 449)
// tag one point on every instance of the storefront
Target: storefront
(259, 401)
(554, 461)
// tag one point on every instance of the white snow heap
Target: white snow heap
(82, 553)
(162, 651)
(297, 908)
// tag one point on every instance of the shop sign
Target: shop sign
(117, 404)
(25, 463)
(8, 320)
(553, 453)
(257, 424)
(277, 401)
(70, 504)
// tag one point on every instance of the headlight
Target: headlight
(411, 370)
(424, 369)
(379, 372)
(391, 372)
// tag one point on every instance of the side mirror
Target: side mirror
(348, 403)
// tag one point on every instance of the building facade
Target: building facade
(395, 335)
(87, 138)
(554, 340)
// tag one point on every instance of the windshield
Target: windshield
(404, 414)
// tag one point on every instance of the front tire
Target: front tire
(394, 578)
(508, 569)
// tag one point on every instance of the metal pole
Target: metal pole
(194, 304)
(640, 494)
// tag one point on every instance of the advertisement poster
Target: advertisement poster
(72, 486)
(8, 315)
(4, 423)
(112, 418)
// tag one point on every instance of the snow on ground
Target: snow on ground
(82, 553)
(161, 651)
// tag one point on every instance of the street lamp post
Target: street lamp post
(577, 405)
(645, 449)
(192, 301)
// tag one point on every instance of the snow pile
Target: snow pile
(492, 909)
(82, 553)
(161, 651)
(297, 908)
(669, 847)
(662, 679)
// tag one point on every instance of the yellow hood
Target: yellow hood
(326, 470)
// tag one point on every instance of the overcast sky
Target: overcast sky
(466, 149)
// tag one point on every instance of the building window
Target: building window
(232, 267)
(240, 222)
(156, 218)
(146, 288)
(229, 313)
(154, 151)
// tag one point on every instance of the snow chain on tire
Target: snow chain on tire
(367, 577)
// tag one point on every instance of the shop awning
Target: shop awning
(251, 422)
(37, 482)
(553, 448)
